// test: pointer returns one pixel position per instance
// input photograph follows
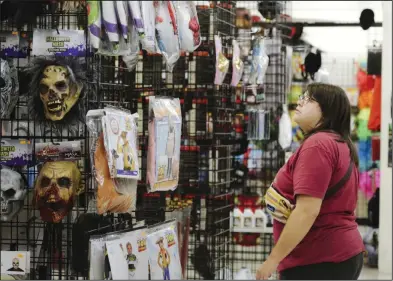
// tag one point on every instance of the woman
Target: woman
(316, 235)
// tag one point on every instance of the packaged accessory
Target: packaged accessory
(285, 129)
(222, 63)
(148, 38)
(280, 208)
(237, 65)
(189, 28)
(13, 192)
(167, 35)
(259, 62)
(163, 157)
(163, 246)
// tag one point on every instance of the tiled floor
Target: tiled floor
(373, 274)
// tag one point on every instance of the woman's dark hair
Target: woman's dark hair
(336, 113)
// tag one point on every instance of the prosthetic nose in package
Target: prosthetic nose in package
(164, 143)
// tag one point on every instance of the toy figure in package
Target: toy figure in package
(164, 143)
(164, 257)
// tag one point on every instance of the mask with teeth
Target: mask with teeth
(57, 89)
(55, 190)
(58, 94)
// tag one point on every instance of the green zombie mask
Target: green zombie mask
(58, 92)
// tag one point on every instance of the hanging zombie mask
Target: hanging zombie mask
(9, 88)
(13, 192)
(55, 190)
(57, 92)
(57, 88)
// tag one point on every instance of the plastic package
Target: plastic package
(113, 195)
(135, 12)
(222, 63)
(163, 157)
(237, 65)
(163, 246)
(121, 140)
(110, 20)
(122, 18)
(128, 256)
(148, 40)
(167, 32)
(96, 257)
(259, 62)
(189, 28)
(131, 58)
(94, 23)
(285, 129)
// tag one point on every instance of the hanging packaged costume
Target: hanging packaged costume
(164, 257)
(167, 34)
(189, 28)
(128, 256)
(163, 158)
(116, 195)
(120, 136)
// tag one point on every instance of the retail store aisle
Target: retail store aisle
(373, 274)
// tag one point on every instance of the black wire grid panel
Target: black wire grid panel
(206, 152)
(263, 158)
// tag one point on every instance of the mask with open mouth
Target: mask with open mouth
(57, 94)
(57, 90)
(56, 187)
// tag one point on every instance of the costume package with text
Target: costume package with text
(128, 256)
(163, 157)
(163, 248)
(114, 194)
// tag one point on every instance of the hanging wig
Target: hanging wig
(57, 90)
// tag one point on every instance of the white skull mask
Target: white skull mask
(12, 193)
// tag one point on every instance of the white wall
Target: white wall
(385, 226)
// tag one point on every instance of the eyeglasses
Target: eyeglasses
(304, 98)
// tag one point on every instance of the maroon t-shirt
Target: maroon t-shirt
(318, 164)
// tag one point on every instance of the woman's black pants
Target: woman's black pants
(346, 270)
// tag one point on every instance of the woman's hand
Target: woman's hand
(265, 270)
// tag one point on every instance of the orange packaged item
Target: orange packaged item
(108, 199)
(114, 195)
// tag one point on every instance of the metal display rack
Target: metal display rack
(206, 151)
